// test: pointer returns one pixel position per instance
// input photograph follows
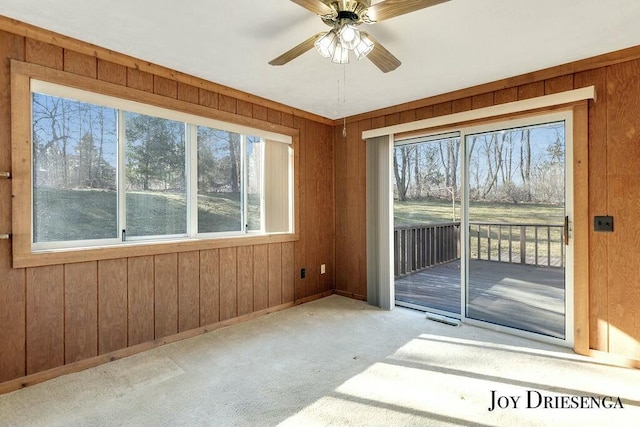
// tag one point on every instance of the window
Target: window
(109, 171)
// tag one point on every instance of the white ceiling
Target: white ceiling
(450, 46)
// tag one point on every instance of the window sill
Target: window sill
(135, 249)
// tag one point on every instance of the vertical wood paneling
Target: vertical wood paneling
(45, 318)
(623, 152)
(504, 96)
(422, 113)
(287, 119)
(261, 277)
(482, 101)
(274, 116)
(209, 287)
(598, 276)
(377, 122)
(442, 109)
(81, 64)
(288, 272)
(407, 116)
(351, 273)
(11, 47)
(208, 98)
(140, 80)
(188, 290)
(245, 280)
(530, 90)
(112, 305)
(392, 119)
(112, 73)
(227, 103)
(166, 295)
(275, 274)
(12, 317)
(245, 108)
(188, 93)
(302, 227)
(341, 165)
(165, 87)
(140, 288)
(312, 173)
(558, 84)
(326, 209)
(228, 283)
(260, 112)
(44, 54)
(12, 281)
(460, 105)
(80, 311)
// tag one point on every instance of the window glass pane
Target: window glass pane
(156, 201)
(219, 172)
(255, 147)
(74, 170)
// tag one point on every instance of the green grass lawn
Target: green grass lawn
(430, 211)
(92, 214)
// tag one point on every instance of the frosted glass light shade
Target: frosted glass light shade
(349, 36)
(340, 55)
(325, 45)
(364, 47)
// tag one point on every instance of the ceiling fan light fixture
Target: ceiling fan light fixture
(349, 36)
(340, 54)
(365, 46)
(326, 44)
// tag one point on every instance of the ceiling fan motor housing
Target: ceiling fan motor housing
(353, 12)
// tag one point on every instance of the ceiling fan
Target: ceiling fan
(344, 17)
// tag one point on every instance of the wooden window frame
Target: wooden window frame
(24, 256)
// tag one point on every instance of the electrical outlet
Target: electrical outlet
(303, 273)
(603, 223)
(323, 268)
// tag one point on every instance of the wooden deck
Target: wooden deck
(520, 296)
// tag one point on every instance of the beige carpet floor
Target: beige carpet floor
(335, 362)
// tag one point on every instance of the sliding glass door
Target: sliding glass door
(481, 224)
(515, 257)
(427, 189)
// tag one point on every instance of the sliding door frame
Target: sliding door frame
(575, 101)
(565, 116)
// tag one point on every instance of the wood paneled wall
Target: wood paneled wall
(60, 314)
(614, 184)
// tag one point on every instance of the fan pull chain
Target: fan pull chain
(344, 101)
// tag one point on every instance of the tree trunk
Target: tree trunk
(234, 140)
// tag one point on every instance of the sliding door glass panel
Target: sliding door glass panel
(426, 234)
(515, 254)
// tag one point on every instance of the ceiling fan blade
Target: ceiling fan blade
(392, 8)
(296, 51)
(315, 6)
(382, 58)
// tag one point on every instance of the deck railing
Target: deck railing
(417, 247)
